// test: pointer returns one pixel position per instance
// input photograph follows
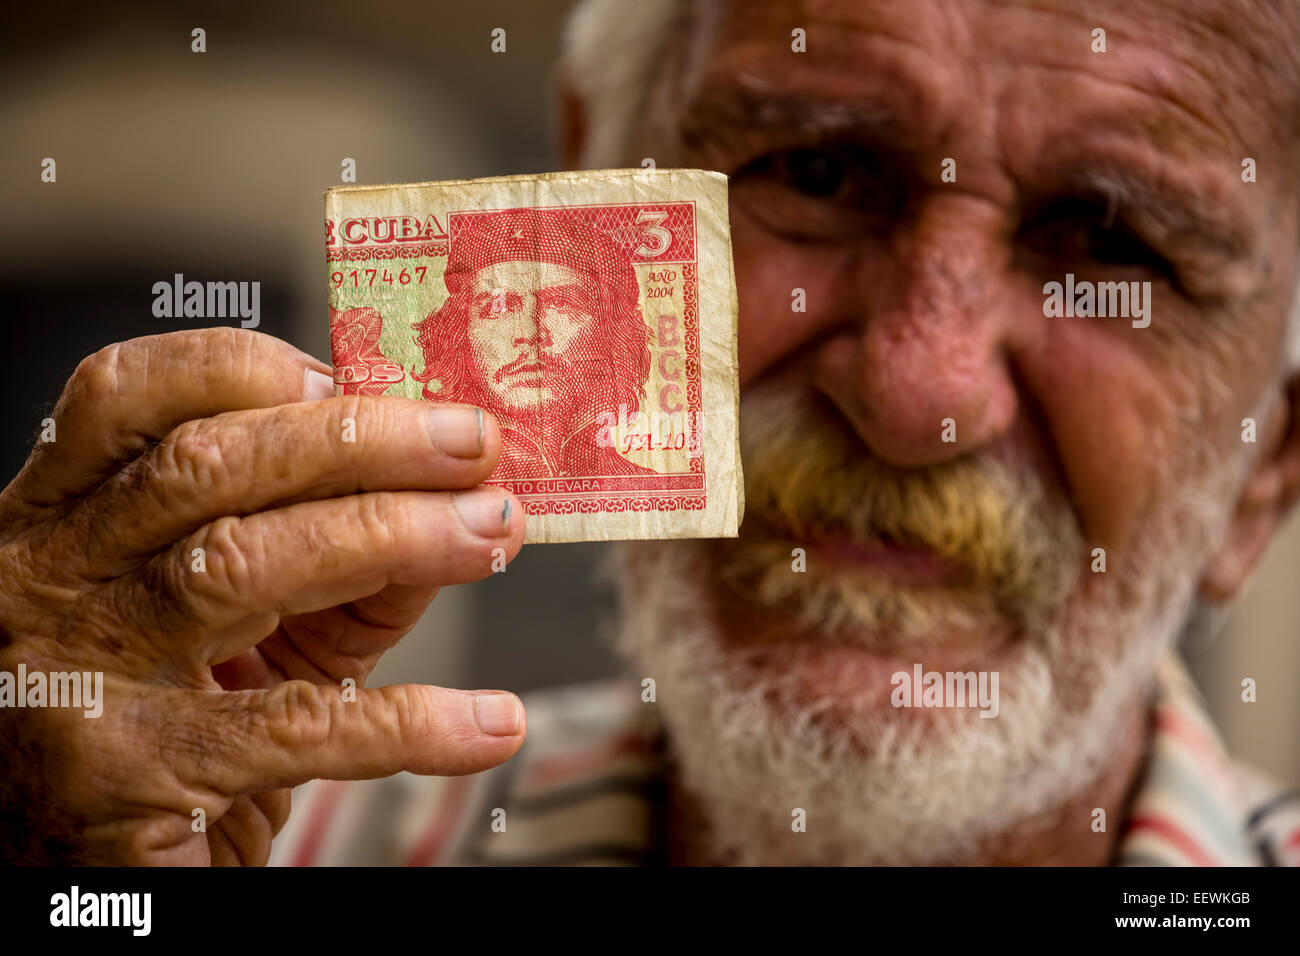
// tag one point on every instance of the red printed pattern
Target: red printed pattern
(361, 253)
(624, 225)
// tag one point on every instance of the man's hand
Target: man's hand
(217, 547)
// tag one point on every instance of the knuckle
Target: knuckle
(412, 718)
(244, 350)
(98, 377)
(231, 555)
(382, 519)
(226, 340)
(239, 340)
(295, 715)
(366, 430)
(350, 406)
(174, 599)
(193, 455)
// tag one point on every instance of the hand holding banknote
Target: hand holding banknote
(219, 538)
(217, 547)
(593, 312)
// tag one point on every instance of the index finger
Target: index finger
(129, 394)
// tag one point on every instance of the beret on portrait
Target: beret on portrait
(480, 240)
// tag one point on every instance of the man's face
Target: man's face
(952, 461)
(530, 325)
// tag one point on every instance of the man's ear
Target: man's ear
(571, 119)
(1266, 499)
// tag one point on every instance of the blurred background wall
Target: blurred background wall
(214, 165)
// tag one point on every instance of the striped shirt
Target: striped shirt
(587, 788)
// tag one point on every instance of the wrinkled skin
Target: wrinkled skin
(223, 687)
(923, 297)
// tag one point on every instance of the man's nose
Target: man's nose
(534, 329)
(921, 370)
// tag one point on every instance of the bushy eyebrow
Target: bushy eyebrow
(1138, 193)
(1176, 210)
(746, 104)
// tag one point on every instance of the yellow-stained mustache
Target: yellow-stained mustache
(808, 475)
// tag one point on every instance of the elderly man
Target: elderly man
(973, 530)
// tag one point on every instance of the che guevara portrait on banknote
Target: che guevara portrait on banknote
(542, 326)
(593, 314)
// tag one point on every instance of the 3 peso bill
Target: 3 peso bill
(593, 313)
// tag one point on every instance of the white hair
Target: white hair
(614, 52)
(919, 793)
(753, 738)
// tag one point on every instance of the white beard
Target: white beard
(930, 787)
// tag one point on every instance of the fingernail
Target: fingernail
(486, 512)
(497, 714)
(457, 432)
(316, 385)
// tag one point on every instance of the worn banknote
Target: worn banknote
(592, 313)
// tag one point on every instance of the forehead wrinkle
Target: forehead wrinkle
(895, 93)
(1263, 22)
(1266, 32)
(1237, 48)
(1165, 117)
(1206, 52)
(1244, 34)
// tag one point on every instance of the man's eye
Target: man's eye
(1083, 232)
(812, 172)
(1117, 247)
(817, 194)
(573, 305)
